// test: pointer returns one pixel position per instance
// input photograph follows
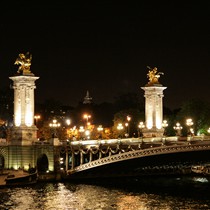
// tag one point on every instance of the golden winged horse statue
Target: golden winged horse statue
(24, 60)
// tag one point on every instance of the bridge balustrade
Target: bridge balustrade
(93, 152)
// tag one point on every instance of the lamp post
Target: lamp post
(120, 128)
(81, 130)
(127, 132)
(178, 129)
(87, 134)
(100, 130)
(68, 122)
(141, 126)
(189, 123)
(164, 125)
(87, 117)
(36, 118)
(128, 125)
(54, 125)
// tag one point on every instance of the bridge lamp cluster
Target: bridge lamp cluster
(128, 118)
(36, 118)
(100, 130)
(141, 126)
(87, 134)
(120, 128)
(127, 125)
(68, 122)
(127, 132)
(178, 128)
(81, 130)
(54, 125)
(164, 125)
(87, 117)
(189, 123)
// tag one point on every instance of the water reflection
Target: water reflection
(112, 195)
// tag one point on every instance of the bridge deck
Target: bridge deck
(132, 155)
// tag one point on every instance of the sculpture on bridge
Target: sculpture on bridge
(24, 60)
(153, 75)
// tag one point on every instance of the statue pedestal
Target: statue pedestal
(23, 135)
(153, 132)
(153, 110)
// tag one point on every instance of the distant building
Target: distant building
(87, 99)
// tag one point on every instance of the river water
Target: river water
(129, 194)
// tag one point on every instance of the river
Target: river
(129, 194)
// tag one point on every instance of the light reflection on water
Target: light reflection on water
(108, 196)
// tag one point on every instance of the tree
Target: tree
(198, 111)
(121, 117)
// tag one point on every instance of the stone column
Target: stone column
(24, 130)
(153, 111)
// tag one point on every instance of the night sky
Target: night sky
(106, 47)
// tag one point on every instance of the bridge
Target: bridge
(108, 158)
(99, 158)
(133, 157)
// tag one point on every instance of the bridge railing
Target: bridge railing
(86, 151)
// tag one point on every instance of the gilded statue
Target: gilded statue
(153, 75)
(24, 60)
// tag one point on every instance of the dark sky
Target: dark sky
(106, 47)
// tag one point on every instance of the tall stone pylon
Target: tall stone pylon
(24, 132)
(153, 105)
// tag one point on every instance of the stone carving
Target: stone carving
(153, 75)
(24, 60)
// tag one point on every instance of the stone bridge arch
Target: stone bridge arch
(42, 163)
(44, 158)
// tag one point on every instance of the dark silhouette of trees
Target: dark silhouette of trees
(199, 111)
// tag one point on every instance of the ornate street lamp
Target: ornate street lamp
(100, 130)
(128, 125)
(120, 128)
(141, 126)
(36, 118)
(127, 130)
(68, 122)
(178, 129)
(54, 125)
(81, 130)
(164, 125)
(87, 134)
(87, 117)
(189, 123)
